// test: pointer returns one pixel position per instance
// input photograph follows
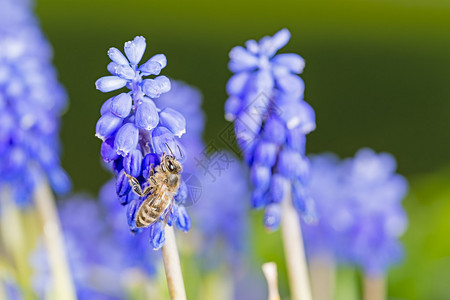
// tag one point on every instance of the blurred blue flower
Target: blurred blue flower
(221, 214)
(271, 121)
(31, 102)
(10, 288)
(187, 100)
(136, 132)
(99, 246)
(359, 211)
(376, 193)
(334, 214)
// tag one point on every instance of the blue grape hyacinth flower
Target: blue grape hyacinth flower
(359, 211)
(271, 121)
(136, 133)
(375, 194)
(221, 213)
(31, 103)
(187, 100)
(334, 214)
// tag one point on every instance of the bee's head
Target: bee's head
(171, 164)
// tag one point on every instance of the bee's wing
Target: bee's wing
(156, 197)
(158, 201)
(169, 210)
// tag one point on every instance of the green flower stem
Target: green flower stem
(172, 266)
(374, 287)
(270, 272)
(14, 241)
(322, 270)
(294, 250)
(54, 243)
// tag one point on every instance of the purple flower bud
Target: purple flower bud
(135, 49)
(173, 120)
(111, 67)
(292, 61)
(274, 131)
(122, 185)
(183, 220)
(132, 209)
(260, 176)
(161, 138)
(259, 199)
(16, 158)
(292, 165)
(270, 45)
(125, 72)
(296, 140)
(308, 123)
(237, 83)
(278, 186)
(157, 237)
(147, 116)
(107, 150)
(292, 85)
(154, 65)
(151, 159)
(182, 194)
(117, 165)
(121, 105)
(155, 87)
(266, 154)
(241, 60)
(132, 163)
(116, 56)
(127, 139)
(7, 123)
(247, 128)
(272, 216)
(299, 196)
(126, 199)
(252, 46)
(263, 83)
(233, 106)
(107, 125)
(106, 107)
(110, 83)
(298, 114)
(59, 180)
(172, 217)
(161, 59)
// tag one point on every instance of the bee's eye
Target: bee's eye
(170, 166)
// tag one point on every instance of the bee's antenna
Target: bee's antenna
(181, 153)
(169, 149)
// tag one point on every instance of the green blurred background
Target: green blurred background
(377, 73)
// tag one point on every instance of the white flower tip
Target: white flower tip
(100, 136)
(230, 117)
(284, 31)
(180, 133)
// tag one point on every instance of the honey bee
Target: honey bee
(164, 183)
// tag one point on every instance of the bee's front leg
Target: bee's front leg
(152, 171)
(136, 186)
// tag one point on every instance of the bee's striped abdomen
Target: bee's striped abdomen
(152, 208)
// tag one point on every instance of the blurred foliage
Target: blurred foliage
(425, 273)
